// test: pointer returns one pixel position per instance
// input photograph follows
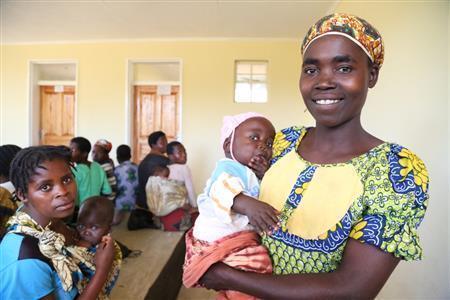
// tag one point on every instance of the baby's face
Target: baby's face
(91, 228)
(253, 139)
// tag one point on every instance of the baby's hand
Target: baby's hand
(259, 165)
(105, 254)
(260, 214)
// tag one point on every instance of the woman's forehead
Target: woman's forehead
(50, 167)
(333, 47)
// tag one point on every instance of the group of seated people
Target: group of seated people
(57, 209)
(127, 183)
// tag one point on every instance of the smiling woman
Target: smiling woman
(350, 203)
(36, 262)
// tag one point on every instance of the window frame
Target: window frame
(251, 82)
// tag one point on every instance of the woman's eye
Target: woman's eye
(93, 227)
(310, 71)
(67, 180)
(269, 144)
(80, 226)
(45, 187)
(254, 137)
(345, 69)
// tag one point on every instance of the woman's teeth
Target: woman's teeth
(327, 101)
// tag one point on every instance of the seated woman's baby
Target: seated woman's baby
(94, 226)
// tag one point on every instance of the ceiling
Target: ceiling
(37, 21)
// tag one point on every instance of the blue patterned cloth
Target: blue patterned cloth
(127, 185)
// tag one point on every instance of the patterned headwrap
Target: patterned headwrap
(356, 29)
(104, 144)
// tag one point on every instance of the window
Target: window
(251, 82)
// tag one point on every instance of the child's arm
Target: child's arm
(260, 214)
(104, 258)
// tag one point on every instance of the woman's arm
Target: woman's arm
(362, 274)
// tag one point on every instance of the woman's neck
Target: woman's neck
(156, 152)
(38, 218)
(336, 144)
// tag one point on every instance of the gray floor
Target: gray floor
(137, 274)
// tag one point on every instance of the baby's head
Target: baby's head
(176, 153)
(161, 171)
(94, 219)
(246, 136)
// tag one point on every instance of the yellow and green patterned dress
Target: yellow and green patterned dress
(378, 198)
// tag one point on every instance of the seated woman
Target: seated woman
(350, 203)
(166, 199)
(35, 260)
(7, 205)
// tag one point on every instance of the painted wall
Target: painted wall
(409, 105)
(207, 94)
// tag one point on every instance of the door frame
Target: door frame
(129, 93)
(34, 101)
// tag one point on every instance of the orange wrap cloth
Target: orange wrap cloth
(240, 250)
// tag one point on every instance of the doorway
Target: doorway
(52, 102)
(154, 103)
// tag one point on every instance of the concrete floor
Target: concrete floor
(139, 273)
(196, 294)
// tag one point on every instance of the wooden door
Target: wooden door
(57, 115)
(153, 112)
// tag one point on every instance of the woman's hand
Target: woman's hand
(104, 256)
(260, 214)
(259, 165)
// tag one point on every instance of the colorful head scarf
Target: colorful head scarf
(230, 123)
(104, 144)
(356, 29)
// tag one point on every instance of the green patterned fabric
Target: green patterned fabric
(386, 215)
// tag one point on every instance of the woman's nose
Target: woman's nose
(325, 80)
(61, 190)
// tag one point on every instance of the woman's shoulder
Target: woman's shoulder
(291, 133)
(287, 139)
(395, 156)
(397, 169)
(20, 247)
